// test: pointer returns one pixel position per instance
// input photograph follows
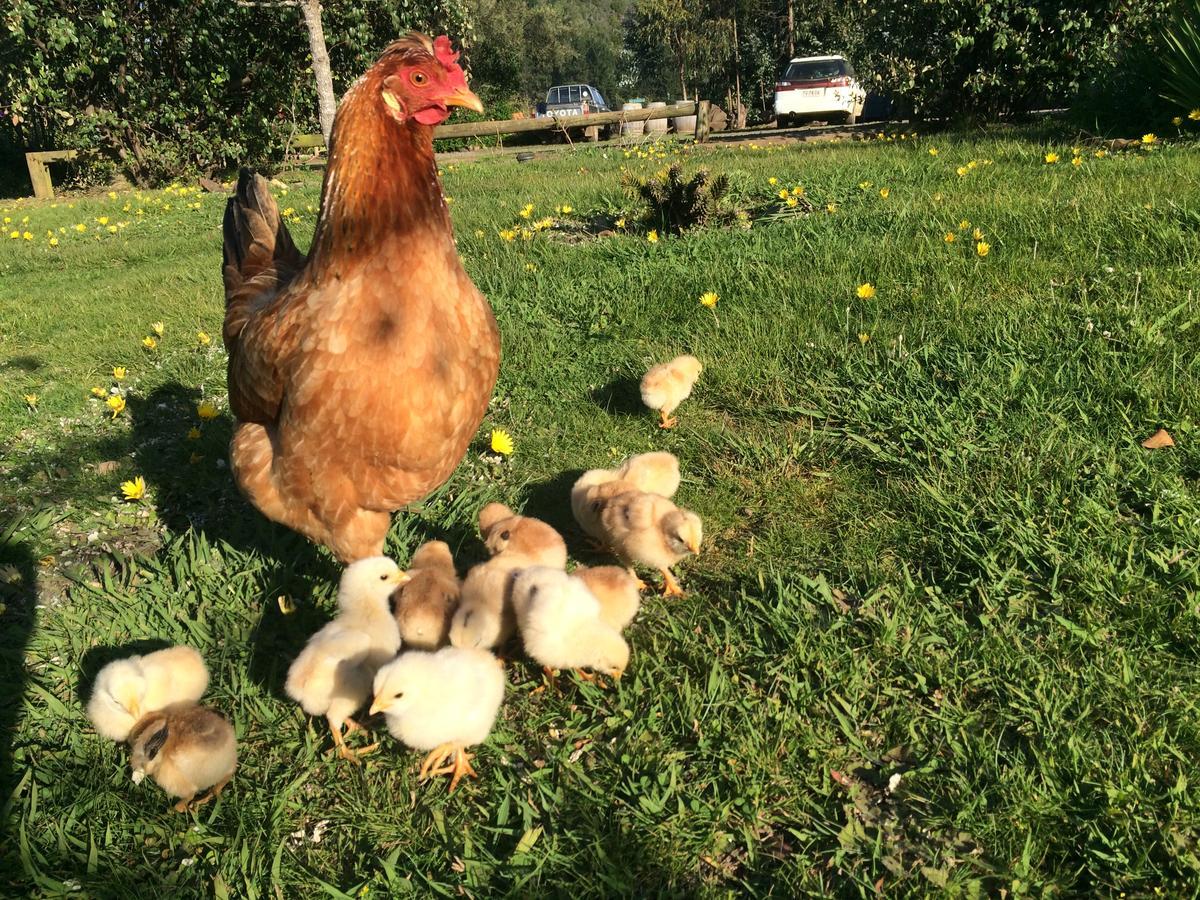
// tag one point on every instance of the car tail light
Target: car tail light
(840, 81)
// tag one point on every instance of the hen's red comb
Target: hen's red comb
(443, 52)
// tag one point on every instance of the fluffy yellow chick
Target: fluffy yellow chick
(638, 527)
(561, 625)
(186, 749)
(484, 618)
(127, 689)
(616, 591)
(668, 384)
(426, 602)
(441, 702)
(654, 473)
(332, 675)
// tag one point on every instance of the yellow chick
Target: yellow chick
(561, 625)
(616, 591)
(332, 675)
(127, 689)
(668, 384)
(484, 618)
(426, 602)
(654, 473)
(441, 702)
(638, 527)
(186, 749)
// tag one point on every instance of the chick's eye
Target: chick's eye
(419, 78)
(383, 578)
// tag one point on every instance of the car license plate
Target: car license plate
(815, 92)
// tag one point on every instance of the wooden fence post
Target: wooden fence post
(701, 121)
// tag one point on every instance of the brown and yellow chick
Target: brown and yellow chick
(484, 618)
(425, 604)
(561, 623)
(668, 384)
(616, 591)
(638, 527)
(186, 749)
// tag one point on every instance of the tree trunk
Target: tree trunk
(737, 66)
(791, 41)
(326, 100)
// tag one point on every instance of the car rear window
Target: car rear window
(817, 70)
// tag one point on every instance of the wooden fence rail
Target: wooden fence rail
(43, 186)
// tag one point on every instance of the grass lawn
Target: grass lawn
(942, 633)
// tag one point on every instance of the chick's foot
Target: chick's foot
(667, 421)
(671, 587)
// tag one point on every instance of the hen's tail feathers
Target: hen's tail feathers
(260, 257)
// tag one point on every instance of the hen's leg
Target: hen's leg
(252, 458)
(358, 533)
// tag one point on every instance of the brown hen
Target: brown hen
(358, 375)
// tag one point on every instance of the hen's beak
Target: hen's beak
(465, 98)
(378, 706)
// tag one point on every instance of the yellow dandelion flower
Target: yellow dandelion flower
(149, 343)
(119, 373)
(502, 442)
(16, 235)
(1077, 161)
(1194, 115)
(620, 223)
(1177, 121)
(865, 291)
(193, 433)
(792, 201)
(526, 211)
(99, 392)
(116, 403)
(864, 185)
(1148, 139)
(949, 237)
(964, 224)
(31, 400)
(8, 220)
(783, 193)
(961, 170)
(112, 195)
(1051, 158)
(157, 328)
(982, 248)
(53, 242)
(977, 234)
(103, 220)
(1100, 154)
(566, 209)
(831, 207)
(135, 489)
(772, 181)
(203, 338)
(709, 299)
(530, 267)
(863, 337)
(885, 192)
(81, 228)
(652, 236)
(797, 191)
(507, 234)
(933, 151)
(972, 165)
(28, 235)
(206, 409)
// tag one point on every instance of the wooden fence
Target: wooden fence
(43, 186)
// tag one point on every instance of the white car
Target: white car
(818, 87)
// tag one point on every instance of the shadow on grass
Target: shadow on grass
(18, 594)
(622, 396)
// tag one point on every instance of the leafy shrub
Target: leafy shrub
(676, 205)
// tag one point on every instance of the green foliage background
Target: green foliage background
(166, 86)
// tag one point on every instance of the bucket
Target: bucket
(656, 126)
(684, 124)
(632, 128)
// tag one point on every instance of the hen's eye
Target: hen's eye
(504, 535)
(419, 78)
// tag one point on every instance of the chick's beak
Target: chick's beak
(694, 546)
(379, 705)
(465, 98)
(400, 578)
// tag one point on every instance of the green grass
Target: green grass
(934, 546)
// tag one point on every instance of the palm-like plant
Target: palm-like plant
(1181, 41)
(676, 204)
